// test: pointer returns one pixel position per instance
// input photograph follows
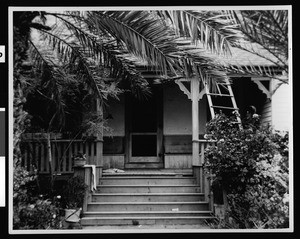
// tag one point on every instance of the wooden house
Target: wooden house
(160, 138)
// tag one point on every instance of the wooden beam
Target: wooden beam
(195, 120)
(99, 144)
(183, 88)
(257, 81)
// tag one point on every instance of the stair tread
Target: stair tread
(151, 185)
(149, 218)
(148, 212)
(145, 194)
(145, 203)
(145, 177)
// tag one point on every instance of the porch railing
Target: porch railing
(35, 154)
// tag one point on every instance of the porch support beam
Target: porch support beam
(99, 144)
(195, 120)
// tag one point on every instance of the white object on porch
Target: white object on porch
(93, 181)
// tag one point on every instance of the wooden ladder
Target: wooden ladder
(222, 89)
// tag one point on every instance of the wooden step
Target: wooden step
(143, 180)
(147, 197)
(147, 206)
(152, 173)
(177, 220)
(170, 188)
(147, 214)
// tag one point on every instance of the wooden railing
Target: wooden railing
(35, 154)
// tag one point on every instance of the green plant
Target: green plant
(74, 192)
(31, 211)
(251, 165)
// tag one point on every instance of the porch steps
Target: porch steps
(148, 198)
(148, 188)
(143, 180)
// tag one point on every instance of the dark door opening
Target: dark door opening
(144, 120)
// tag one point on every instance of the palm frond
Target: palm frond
(206, 27)
(268, 29)
(104, 50)
(140, 32)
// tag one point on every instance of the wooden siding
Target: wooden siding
(177, 112)
(178, 161)
(115, 117)
(282, 107)
(178, 144)
(266, 114)
(113, 145)
(113, 161)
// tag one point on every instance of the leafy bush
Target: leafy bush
(251, 165)
(32, 211)
(73, 192)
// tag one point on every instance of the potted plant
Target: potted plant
(79, 159)
(73, 196)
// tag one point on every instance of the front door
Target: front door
(144, 131)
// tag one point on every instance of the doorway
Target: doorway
(143, 122)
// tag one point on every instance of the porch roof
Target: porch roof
(244, 58)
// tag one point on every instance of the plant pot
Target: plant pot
(72, 215)
(79, 163)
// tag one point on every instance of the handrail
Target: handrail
(204, 140)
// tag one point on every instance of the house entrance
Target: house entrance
(144, 130)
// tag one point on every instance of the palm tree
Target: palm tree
(94, 46)
(263, 33)
(268, 28)
(90, 47)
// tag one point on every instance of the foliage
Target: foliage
(100, 51)
(251, 165)
(73, 192)
(268, 29)
(32, 211)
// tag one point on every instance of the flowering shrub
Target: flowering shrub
(32, 211)
(251, 165)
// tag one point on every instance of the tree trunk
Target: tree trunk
(50, 159)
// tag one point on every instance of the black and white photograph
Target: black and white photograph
(150, 119)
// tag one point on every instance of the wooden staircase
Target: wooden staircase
(147, 198)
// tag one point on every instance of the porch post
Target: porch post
(99, 144)
(195, 120)
(195, 130)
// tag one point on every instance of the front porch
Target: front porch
(151, 140)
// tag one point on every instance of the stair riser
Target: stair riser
(98, 222)
(149, 189)
(148, 181)
(148, 207)
(147, 214)
(142, 198)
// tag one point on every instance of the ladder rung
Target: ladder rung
(214, 94)
(224, 107)
(223, 83)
